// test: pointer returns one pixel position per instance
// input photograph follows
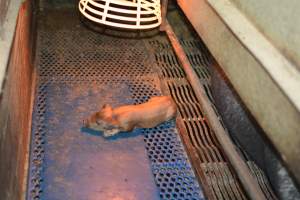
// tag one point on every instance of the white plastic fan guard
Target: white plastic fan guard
(128, 14)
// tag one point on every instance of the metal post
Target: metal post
(164, 9)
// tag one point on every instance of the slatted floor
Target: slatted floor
(215, 172)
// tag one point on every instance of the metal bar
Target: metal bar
(249, 183)
(164, 9)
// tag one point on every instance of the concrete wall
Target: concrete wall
(3, 11)
(8, 20)
(279, 21)
(15, 111)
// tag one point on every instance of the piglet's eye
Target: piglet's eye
(105, 106)
(111, 127)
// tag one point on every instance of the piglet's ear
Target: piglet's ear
(105, 106)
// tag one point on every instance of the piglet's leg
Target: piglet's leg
(109, 133)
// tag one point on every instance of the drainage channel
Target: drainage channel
(78, 71)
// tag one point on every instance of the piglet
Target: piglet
(125, 118)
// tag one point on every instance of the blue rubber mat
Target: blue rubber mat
(71, 162)
(79, 163)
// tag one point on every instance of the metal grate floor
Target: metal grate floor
(78, 71)
(214, 171)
